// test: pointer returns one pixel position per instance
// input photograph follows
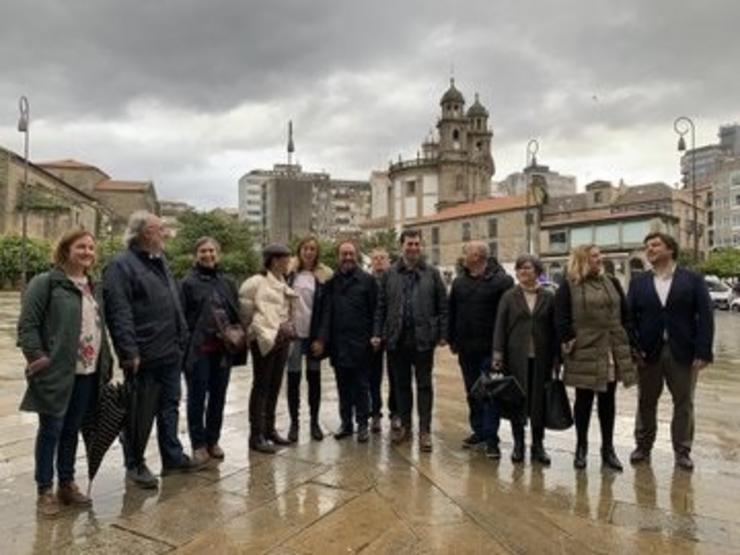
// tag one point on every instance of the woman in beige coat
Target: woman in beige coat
(266, 304)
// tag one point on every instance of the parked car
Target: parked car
(735, 304)
(720, 294)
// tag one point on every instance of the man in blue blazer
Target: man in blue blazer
(673, 325)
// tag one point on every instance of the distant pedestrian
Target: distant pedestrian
(62, 334)
(380, 262)
(347, 326)
(308, 277)
(474, 300)
(411, 320)
(674, 327)
(149, 333)
(210, 300)
(592, 319)
(266, 306)
(526, 346)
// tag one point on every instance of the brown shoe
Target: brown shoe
(399, 434)
(201, 456)
(70, 494)
(375, 426)
(216, 452)
(47, 504)
(425, 442)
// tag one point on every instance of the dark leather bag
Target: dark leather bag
(558, 415)
(233, 335)
(504, 391)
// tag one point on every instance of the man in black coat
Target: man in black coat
(347, 326)
(149, 333)
(411, 320)
(474, 300)
(673, 324)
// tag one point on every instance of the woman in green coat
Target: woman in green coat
(592, 320)
(525, 346)
(62, 335)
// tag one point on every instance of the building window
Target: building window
(492, 227)
(434, 256)
(458, 182)
(493, 248)
(558, 241)
(598, 197)
(435, 236)
(411, 188)
(466, 231)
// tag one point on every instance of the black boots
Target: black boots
(313, 377)
(517, 454)
(609, 458)
(538, 453)
(579, 461)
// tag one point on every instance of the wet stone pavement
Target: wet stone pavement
(342, 497)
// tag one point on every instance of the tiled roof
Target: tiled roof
(566, 203)
(69, 164)
(116, 185)
(468, 209)
(645, 193)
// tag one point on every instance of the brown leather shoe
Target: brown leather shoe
(70, 494)
(201, 456)
(399, 434)
(47, 504)
(425, 442)
(216, 452)
(375, 427)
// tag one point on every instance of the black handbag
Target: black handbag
(558, 415)
(503, 391)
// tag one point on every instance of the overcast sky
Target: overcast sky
(194, 94)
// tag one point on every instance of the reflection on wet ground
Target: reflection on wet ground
(333, 497)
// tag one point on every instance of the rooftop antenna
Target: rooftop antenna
(291, 146)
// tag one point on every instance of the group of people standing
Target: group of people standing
(660, 332)
(296, 312)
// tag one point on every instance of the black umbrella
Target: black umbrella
(102, 425)
(143, 393)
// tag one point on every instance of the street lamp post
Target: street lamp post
(24, 124)
(533, 146)
(683, 125)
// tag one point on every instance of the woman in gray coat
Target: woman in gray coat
(525, 346)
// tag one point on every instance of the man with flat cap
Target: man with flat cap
(266, 304)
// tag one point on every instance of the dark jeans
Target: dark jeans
(59, 434)
(298, 353)
(582, 413)
(406, 362)
(163, 384)
(483, 416)
(266, 381)
(207, 380)
(376, 386)
(354, 396)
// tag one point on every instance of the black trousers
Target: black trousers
(582, 413)
(266, 382)
(354, 396)
(406, 364)
(519, 422)
(376, 385)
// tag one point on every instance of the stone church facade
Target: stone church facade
(454, 165)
